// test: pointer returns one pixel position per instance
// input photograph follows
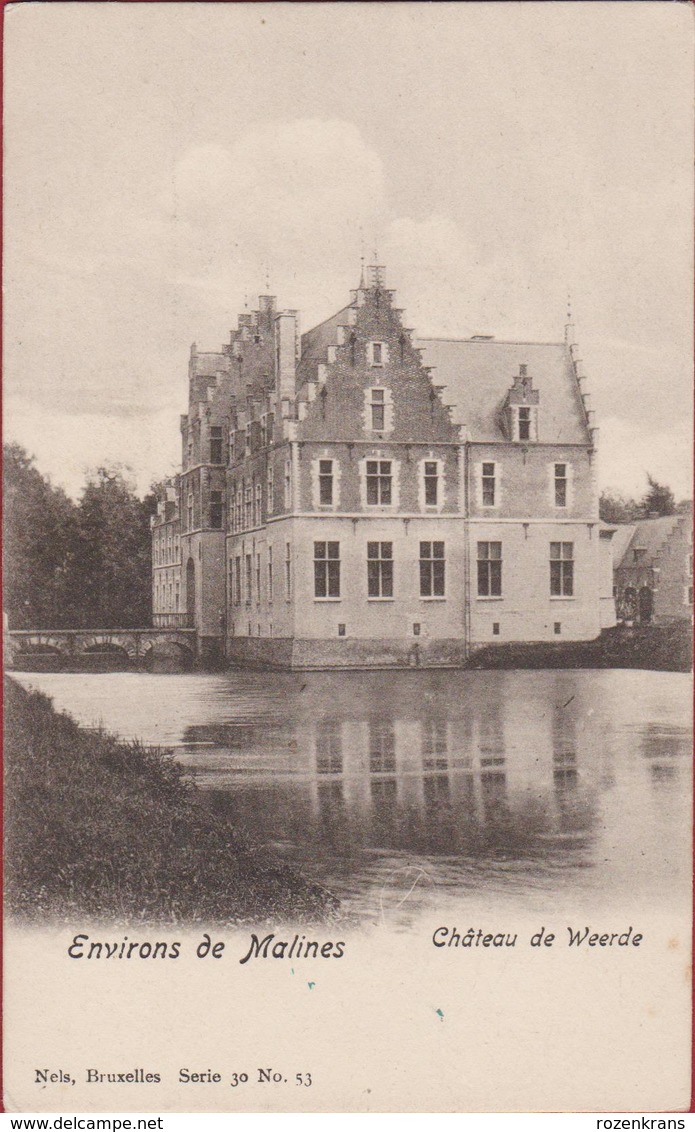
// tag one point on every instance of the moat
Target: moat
(403, 792)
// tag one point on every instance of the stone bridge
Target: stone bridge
(69, 645)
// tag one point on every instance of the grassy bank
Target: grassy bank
(108, 829)
(665, 648)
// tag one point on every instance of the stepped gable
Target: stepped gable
(477, 374)
(204, 369)
(650, 536)
(337, 369)
(316, 341)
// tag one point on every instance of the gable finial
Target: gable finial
(569, 328)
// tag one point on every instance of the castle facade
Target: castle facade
(357, 497)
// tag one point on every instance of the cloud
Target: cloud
(288, 197)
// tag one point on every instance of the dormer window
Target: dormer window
(377, 354)
(522, 408)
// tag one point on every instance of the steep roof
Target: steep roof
(621, 540)
(315, 343)
(477, 375)
(650, 535)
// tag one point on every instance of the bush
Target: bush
(105, 828)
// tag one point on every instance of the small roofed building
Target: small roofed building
(654, 569)
(357, 497)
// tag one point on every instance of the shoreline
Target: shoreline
(658, 648)
(103, 829)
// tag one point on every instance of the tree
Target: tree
(658, 500)
(615, 508)
(39, 529)
(113, 573)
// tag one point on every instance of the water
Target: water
(460, 791)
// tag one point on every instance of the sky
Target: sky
(163, 161)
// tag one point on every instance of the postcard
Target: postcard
(348, 557)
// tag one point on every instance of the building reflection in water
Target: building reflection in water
(429, 773)
(664, 749)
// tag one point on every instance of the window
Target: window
(495, 628)
(329, 748)
(341, 630)
(435, 745)
(326, 569)
(258, 578)
(488, 485)
(561, 569)
(380, 569)
(215, 445)
(247, 440)
(216, 508)
(325, 481)
(377, 353)
(489, 569)
(432, 566)
(561, 485)
(557, 627)
(378, 482)
(377, 409)
(269, 502)
(431, 483)
(270, 574)
(524, 423)
(382, 747)
(190, 512)
(288, 571)
(288, 485)
(237, 580)
(249, 579)
(248, 506)
(258, 509)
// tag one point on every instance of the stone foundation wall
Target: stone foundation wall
(253, 652)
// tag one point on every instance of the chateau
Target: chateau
(357, 497)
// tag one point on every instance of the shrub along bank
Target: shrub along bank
(109, 829)
(666, 648)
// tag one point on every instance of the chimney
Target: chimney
(285, 355)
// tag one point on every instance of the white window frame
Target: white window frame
(429, 559)
(422, 492)
(383, 349)
(387, 408)
(488, 558)
(533, 423)
(564, 557)
(325, 560)
(270, 486)
(569, 485)
(379, 458)
(379, 559)
(316, 477)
